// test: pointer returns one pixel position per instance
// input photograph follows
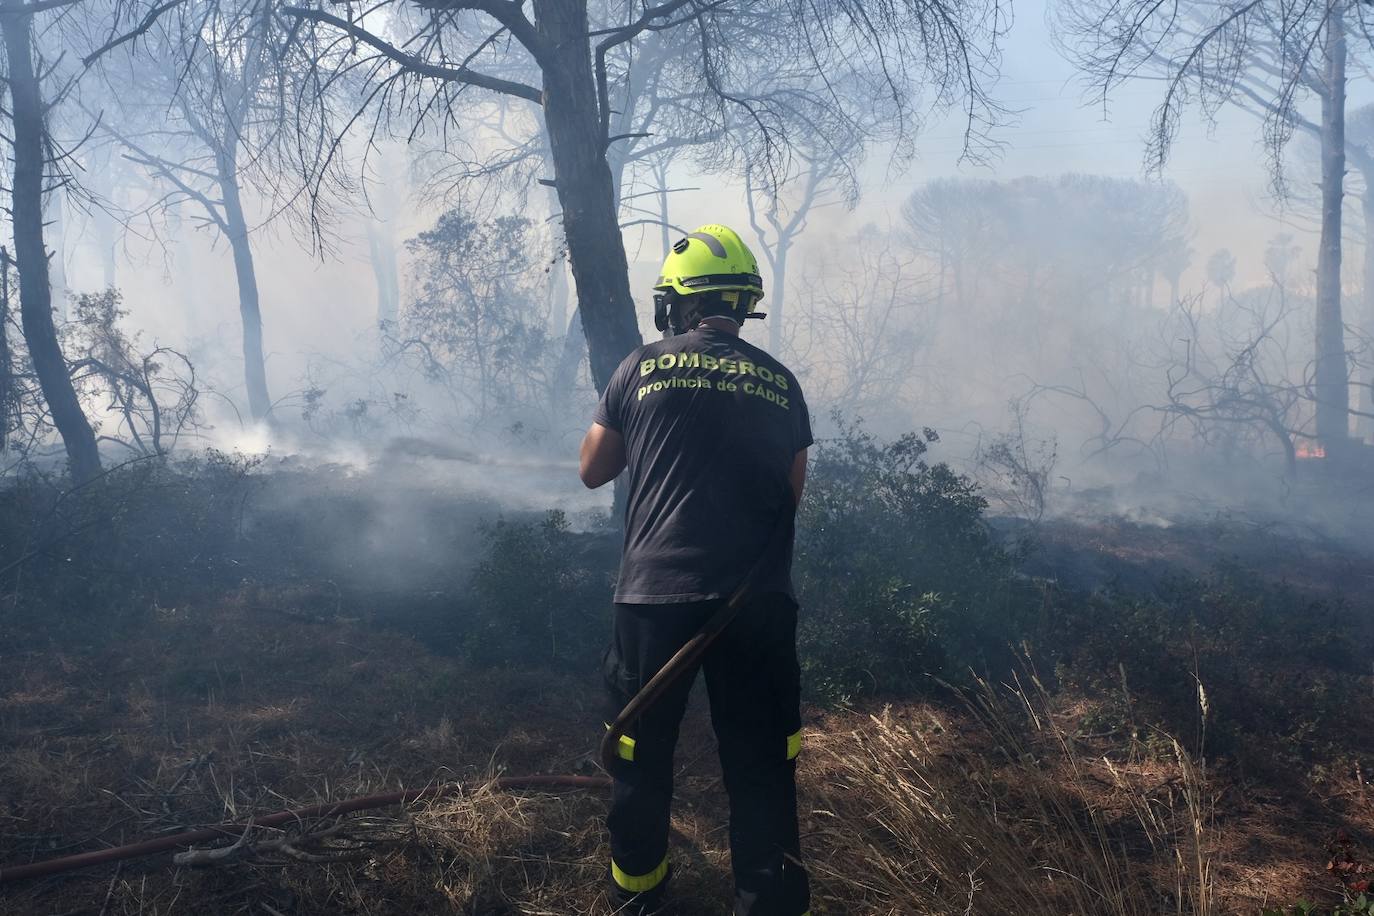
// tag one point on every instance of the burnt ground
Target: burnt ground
(263, 699)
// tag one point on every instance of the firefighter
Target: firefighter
(713, 433)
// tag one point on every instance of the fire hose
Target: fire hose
(682, 662)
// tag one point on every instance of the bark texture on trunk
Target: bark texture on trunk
(1364, 424)
(35, 290)
(1332, 381)
(6, 360)
(586, 192)
(250, 313)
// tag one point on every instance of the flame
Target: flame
(1311, 451)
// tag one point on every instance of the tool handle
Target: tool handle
(686, 658)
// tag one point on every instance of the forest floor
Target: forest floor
(271, 698)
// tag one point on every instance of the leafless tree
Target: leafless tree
(1227, 379)
(864, 329)
(8, 382)
(1016, 465)
(197, 154)
(36, 169)
(1265, 56)
(563, 57)
(1230, 385)
(779, 212)
(1116, 427)
(152, 396)
(214, 123)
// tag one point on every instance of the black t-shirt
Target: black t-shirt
(711, 425)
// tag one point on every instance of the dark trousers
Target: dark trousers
(753, 680)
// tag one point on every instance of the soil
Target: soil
(258, 701)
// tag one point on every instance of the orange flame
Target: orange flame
(1311, 451)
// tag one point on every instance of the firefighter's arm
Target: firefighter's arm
(603, 456)
(798, 475)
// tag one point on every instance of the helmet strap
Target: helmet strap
(668, 313)
(676, 314)
(663, 303)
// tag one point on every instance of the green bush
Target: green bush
(539, 597)
(898, 576)
(145, 528)
(1361, 905)
(1279, 669)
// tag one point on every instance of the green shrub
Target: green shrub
(1278, 668)
(897, 574)
(539, 597)
(147, 528)
(1361, 905)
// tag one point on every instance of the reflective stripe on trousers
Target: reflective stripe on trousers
(754, 686)
(639, 884)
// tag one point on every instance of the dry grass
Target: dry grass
(537, 854)
(915, 809)
(1011, 818)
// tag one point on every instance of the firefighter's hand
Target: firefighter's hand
(603, 456)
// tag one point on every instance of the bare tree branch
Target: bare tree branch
(417, 65)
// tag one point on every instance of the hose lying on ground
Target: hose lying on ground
(680, 664)
(327, 809)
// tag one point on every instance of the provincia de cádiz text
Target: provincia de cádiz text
(725, 374)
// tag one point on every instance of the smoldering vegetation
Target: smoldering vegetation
(180, 626)
(306, 311)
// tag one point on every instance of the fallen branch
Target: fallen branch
(213, 856)
(289, 846)
(314, 812)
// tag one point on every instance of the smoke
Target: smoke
(409, 516)
(1025, 306)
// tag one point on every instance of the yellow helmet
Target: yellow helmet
(710, 258)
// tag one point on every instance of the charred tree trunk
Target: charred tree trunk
(1332, 380)
(250, 313)
(586, 191)
(35, 290)
(6, 359)
(558, 294)
(1365, 424)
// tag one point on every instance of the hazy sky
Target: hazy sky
(1059, 127)
(1062, 127)
(310, 306)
